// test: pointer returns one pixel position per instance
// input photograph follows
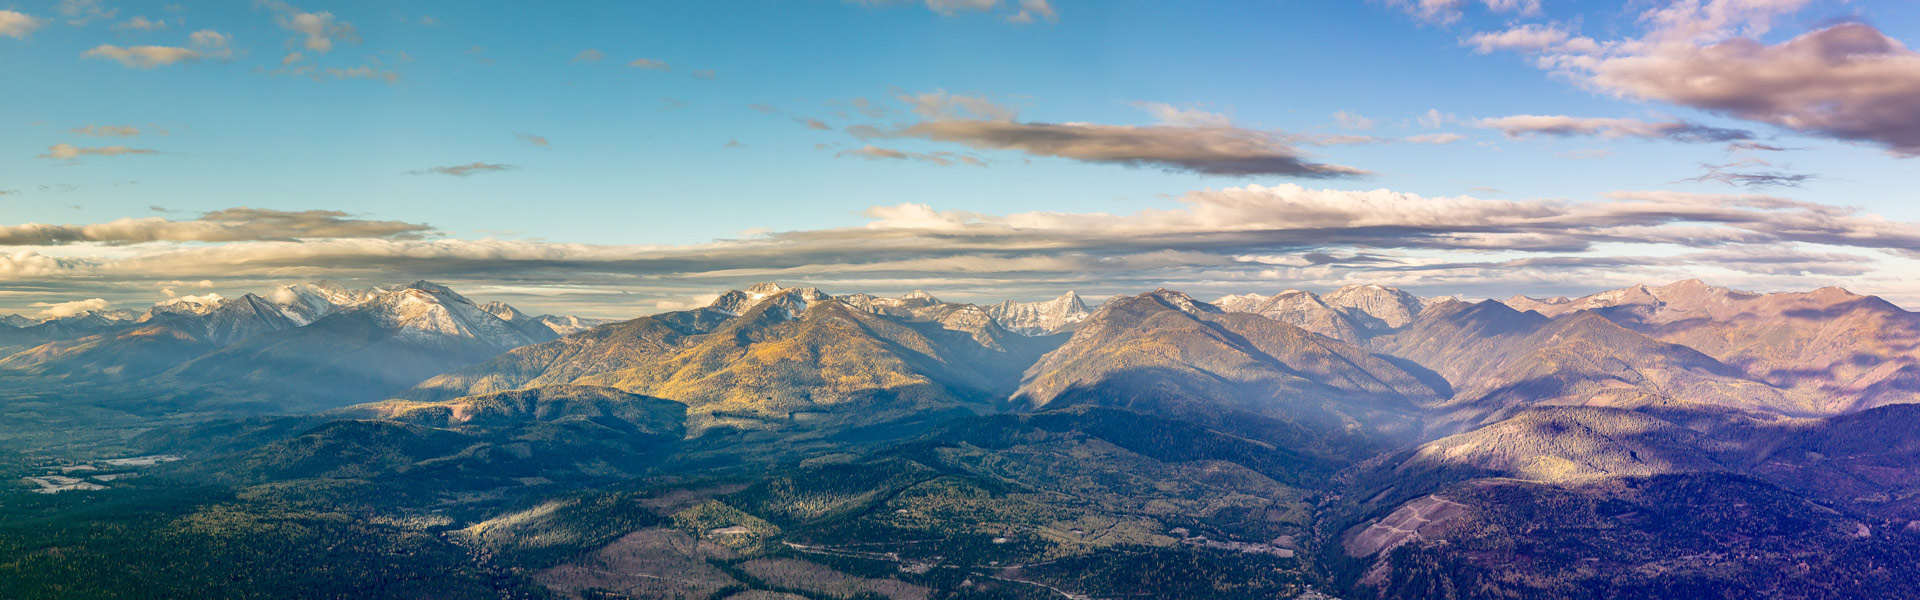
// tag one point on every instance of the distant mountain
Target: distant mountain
(541, 326)
(1040, 318)
(307, 302)
(395, 337)
(1499, 360)
(1851, 351)
(1300, 309)
(431, 328)
(772, 357)
(65, 328)
(165, 339)
(1164, 353)
(16, 321)
(1375, 308)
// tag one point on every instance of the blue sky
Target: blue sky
(711, 144)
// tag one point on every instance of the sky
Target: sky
(621, 158)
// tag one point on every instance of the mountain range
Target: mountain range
(1651, 442)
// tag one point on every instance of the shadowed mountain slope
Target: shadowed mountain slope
(1164, 353)
(1848, 351)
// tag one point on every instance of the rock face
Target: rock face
(1040, 318)
(1375, 308)
(1850, 351)
(1300, 309)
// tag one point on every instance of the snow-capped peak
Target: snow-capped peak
(1040, 318)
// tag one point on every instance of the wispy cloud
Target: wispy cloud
(464, 170)
(1230, 239)
(82, 12)
(317, 30)
(141, 24)
(228, 225)
(651, 64)
(1206, 144)
(531, 139)
(944, 159)
(107, 130)
(1034, 10)
(1752, 172)
(1444, 12)
(1518, 126)
(72, 152)
(203, 44)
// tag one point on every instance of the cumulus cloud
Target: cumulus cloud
(203, 44)
(17, 25)
(82, 12)
(57, 310)
(228, 225)
(317, 30)
(1031, 10)
(1847, 81)
(464, 170)
(1517, 126)
(72, 152)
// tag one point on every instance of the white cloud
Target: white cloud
(205, 43)
(82, 12)
(1184, 117)
(1030, 10)
(17, 25)
(53, 310)
(1847, 81)
(1352, 120)
(141, 24)
(1443, 12)
(320, 29)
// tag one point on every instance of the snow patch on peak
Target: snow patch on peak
(763, 289)
(1040, 318)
